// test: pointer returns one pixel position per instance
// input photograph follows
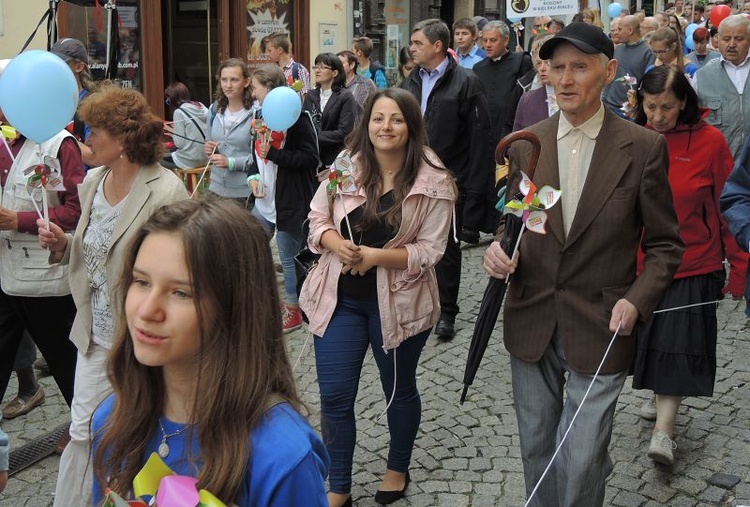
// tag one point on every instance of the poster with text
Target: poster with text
(264, 18)
(534, 8)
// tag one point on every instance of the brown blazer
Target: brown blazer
(571, 284)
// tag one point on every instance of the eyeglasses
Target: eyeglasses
(660, 52)
(322, 67)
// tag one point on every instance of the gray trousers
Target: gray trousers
(577, 476)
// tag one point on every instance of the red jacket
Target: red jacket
(699, 165)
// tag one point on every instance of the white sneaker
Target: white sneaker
(662, 448)
(648, 409)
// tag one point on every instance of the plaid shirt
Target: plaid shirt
(302, 74)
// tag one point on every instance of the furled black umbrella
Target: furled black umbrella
(495, 291)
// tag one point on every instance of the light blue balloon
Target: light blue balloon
(690, 29)
(38, 94)
(281, 108)
(515, 20)
(690, 43)
(614, 10)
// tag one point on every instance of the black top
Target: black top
(364, 287)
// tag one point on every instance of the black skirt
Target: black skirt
(676, 351)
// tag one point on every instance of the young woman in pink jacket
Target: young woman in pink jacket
(380, 232)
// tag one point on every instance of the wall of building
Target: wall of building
(463, 9)
(18, 19)
(329, 26)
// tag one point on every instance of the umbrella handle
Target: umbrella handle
(521, 135)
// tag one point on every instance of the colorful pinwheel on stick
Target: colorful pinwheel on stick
(340, 178)
(156, 484)
(44, 176)
(532, 208)
(628, 107)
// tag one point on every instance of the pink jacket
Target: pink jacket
(408, 299)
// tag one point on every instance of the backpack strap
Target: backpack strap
(192, 119)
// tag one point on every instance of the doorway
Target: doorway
(191, 45)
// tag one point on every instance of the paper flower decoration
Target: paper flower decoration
(295, 84)
(46, 175)
(531, 208)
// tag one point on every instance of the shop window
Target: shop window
(90, 25)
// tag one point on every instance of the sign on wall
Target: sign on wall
(534, 8)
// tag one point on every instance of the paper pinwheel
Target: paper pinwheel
(340, 177)
(47, 177)
(531, 208)
(628, 107)
(158, 482)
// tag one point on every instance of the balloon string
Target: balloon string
(393, 393)
(12, 158)
(591, 384)
(570, 426)
(203, 173)
(299, 358)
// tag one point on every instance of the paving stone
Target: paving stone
(468, 455)
(724, 481)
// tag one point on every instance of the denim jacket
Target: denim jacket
(408, 298)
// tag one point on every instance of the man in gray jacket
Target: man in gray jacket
(723, 86)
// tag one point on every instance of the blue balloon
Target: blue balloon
(690, 43)
(515, 20)
(281, 108)
(614, 9)
(38, 94)
(690, 29)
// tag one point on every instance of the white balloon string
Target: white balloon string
(570, 426)
(393, 393)
(203, 173)
(591, 384)
(299, 358)
(7, 147)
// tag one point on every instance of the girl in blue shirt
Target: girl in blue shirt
(199, 367)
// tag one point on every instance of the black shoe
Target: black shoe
(444, 328)
(388, 497)
(469, 235)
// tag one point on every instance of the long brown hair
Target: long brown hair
(244, 362)
(359, 142)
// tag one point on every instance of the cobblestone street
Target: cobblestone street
(468, 455)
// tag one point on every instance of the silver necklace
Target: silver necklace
(163, 449)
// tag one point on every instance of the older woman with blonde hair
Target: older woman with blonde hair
(592, 17)
(116, 198)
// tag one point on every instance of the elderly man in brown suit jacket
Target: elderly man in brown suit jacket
(575, 285)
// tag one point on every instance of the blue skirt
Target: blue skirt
(676, 350)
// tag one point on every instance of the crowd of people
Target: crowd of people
(164, 325)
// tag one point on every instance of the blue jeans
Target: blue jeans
(289, 244)
(339, 355)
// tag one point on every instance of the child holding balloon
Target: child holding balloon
(282, 178)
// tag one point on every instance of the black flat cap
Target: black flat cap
(588, 38)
